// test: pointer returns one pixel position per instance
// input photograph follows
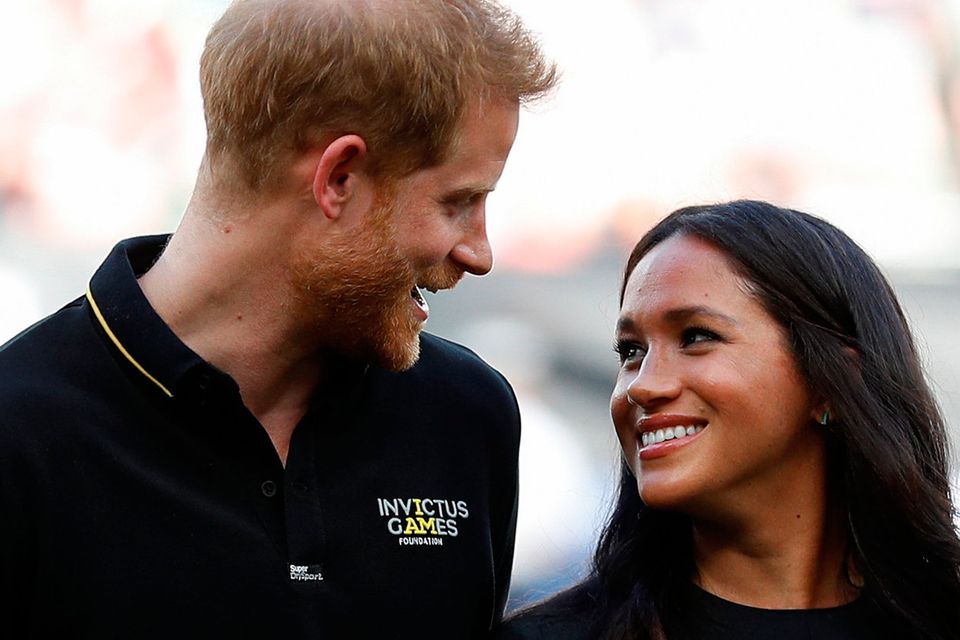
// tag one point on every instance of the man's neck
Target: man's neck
(223, 289)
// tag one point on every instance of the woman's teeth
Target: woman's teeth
(670, 433)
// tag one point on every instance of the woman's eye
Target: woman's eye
(693, 335)
(629, 350)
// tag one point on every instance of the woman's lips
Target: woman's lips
(670, 433)
(660, 434)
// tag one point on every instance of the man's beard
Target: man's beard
(358, 290)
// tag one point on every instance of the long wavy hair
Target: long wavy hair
(886, 447)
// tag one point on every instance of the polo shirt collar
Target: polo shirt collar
(153, 349)
(131, 324)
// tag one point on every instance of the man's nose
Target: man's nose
(473, 252)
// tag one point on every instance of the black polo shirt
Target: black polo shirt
(139, 498)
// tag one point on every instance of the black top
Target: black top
(703, 616)
(139, 498)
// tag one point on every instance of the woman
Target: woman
(784, 469)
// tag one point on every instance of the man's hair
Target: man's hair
(280, 76)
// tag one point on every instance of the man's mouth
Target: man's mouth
(418, 298)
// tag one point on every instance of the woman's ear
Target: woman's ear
(821, 414)
(337, 173)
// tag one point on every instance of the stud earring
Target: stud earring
(825, 418)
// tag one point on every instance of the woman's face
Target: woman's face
(701, 357)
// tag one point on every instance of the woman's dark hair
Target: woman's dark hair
(886, 441)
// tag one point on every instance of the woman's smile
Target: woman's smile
(659, 434)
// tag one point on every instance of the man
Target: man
(239, 430)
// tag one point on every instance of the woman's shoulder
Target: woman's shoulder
(566, 616)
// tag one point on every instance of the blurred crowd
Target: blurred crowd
(848, 109)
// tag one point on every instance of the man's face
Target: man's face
(358, 292)
(423, 232)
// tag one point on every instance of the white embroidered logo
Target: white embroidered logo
(306, 573)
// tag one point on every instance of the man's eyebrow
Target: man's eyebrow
(626, 324)
(466, 192)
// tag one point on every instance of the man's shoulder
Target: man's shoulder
(49, 341)
(458, 367)
(449, 379)
(564, 616)
(542, 627)
(437, 350)
(46, 364)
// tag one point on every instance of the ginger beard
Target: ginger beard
(358, 289)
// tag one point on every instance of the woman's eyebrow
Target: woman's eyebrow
(625, 325)
(680, 314)
(685, 313)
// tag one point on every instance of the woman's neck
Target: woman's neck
(785, 557)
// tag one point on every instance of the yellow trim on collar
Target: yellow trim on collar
(126, 354)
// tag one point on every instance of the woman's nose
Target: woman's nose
(656, 382)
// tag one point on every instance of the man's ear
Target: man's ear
(337, 173)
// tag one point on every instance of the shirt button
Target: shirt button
(268, 488)
(203, 382)
(300, 487)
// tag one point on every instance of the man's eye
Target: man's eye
(693, 335)
(465, 203)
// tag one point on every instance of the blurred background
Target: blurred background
(849, 109)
